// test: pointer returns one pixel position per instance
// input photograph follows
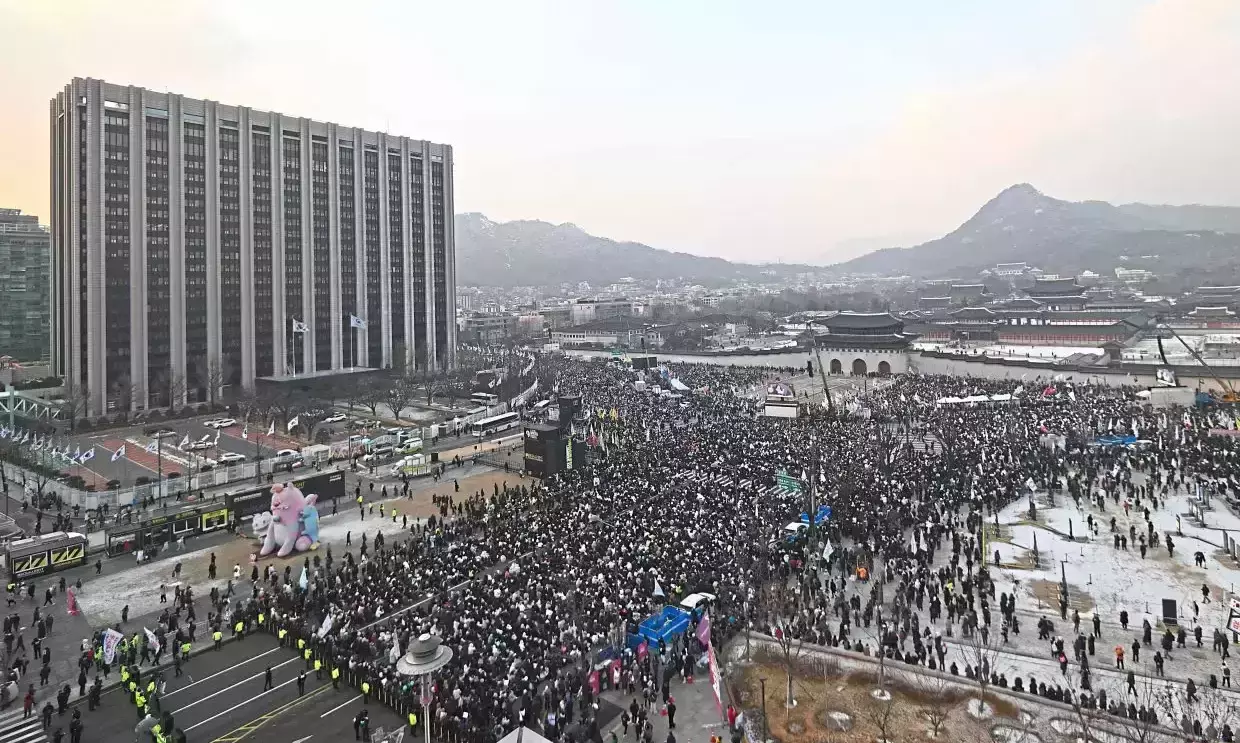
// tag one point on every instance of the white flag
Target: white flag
(152, 447)
(326, 627)
(111, 639)
(658, 589)
(184, 442)
(152, 640)
(245, 431)
(293, 422)
(77, 454)
(120, 452)
(300, 327)
(357, 322)
(87, 455)
(271, 430)
(217, 436)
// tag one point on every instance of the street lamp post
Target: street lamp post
(426, 655)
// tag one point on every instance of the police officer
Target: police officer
(218, 637)
(318, 669)
(365, 692)
(335, 677)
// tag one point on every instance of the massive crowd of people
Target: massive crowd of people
(530, 585)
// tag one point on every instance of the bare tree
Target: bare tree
(981, 652)
(881, 713)
(779, 610)
(77, 398)
(398, 396)
(286, 405)
(1150, 726)
(372, 395)
(169, 389)
(1214, 709)
(938, 701)
(214, 372)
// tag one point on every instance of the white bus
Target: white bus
(485, 398)
(494, 424)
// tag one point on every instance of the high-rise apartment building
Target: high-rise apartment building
(197, 243)
(25, 268)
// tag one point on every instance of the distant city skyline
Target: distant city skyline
(811, 134)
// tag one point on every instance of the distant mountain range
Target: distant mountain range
(1183, 244)
(534, 253)
(1024, 224)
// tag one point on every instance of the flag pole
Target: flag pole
(159, 475)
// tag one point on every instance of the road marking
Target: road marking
(303, 740)
(259, 721)
(226, 670)
(336, 709)
(239, 683)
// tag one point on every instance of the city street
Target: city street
(221, 699)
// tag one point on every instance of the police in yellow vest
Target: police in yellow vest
(335, 678)
(185, 648)
(365, 692)
(318, 668)
(239, 629)
(262, 618)
(413, 722)
(218, 637)
(306, 654)
(301, 643)
(157, 734)
(281, 634)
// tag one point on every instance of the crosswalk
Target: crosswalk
(14, 729)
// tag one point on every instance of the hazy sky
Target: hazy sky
(757, 131)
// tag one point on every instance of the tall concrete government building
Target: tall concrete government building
(197, 244)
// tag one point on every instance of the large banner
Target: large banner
(716, 681)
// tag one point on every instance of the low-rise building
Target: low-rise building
(484, 329)
(614, 333)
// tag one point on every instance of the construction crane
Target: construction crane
(1229, 392)
(826, 390)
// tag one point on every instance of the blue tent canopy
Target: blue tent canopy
(823, 513)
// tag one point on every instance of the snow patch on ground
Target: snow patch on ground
(979, 710)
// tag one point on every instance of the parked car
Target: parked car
(160, 433)
(337, 418)
(220, 423)
(199, 445)
(378, 454)
(230, 457)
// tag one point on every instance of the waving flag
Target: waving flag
(87, 455)
(77, 453)
(293, 422)
(118, 453)
(217, 436)
(357, 322)
(184, 442)
(271, 430)
(151, 447)
(245, 431)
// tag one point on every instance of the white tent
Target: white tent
(525, 735)
(679, 386)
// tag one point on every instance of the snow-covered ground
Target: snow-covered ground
(138, 588)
